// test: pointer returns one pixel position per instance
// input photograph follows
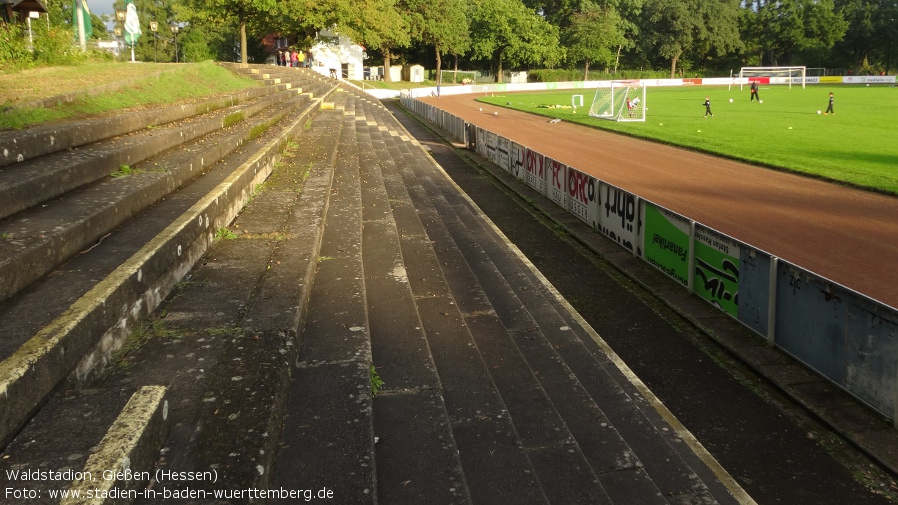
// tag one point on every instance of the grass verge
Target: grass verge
(147, 85)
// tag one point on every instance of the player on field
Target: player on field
(829, 108)
(707, 105)
(754, 91)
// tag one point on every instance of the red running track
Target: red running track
(847, 235)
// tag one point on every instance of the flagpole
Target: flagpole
(81, 38)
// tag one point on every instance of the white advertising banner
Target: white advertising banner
(535, 172)
(582, 196)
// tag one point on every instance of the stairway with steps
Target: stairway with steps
(83, 264)
(492, 390)
(265, 279)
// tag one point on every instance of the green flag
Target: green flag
(132, 24)
(85, 15)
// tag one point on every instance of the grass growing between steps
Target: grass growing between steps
(150, 85)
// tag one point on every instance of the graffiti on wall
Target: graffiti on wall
(504, 151)
(717, 270)
(517, 160)
(620, 217)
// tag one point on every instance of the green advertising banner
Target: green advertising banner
(717, 270)
(666, 243)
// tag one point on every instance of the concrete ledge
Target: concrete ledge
(129, 293)
(33, 256)
(21, 145)
(127, 452)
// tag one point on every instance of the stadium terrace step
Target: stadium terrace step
(327, 439)
(22, 145)
(35, 181)
(119, 432)
(305, 78)
(70, 323)
(42, 237)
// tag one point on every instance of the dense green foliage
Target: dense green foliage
(856, 145)
(683, 37)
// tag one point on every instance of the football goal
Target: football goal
(451, 77)
(776, 75)
(619, 101)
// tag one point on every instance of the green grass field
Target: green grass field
(858, 145)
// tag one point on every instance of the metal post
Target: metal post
(771, 302)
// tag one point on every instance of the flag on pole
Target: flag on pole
(132, 24)
(85, 17)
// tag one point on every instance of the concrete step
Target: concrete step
(328, 439)
(119, 432)
(40, 238)
(560, 467)
(497, 469)
(223, 344)
(307, 79)
(417, 456)
(39, 179)
(17, 146)
(89, 306)
(659, 452)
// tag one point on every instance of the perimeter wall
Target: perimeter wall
(842, 335)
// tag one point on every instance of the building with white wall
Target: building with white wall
(336, 53)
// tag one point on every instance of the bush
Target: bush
(55, 46)
(14, 53)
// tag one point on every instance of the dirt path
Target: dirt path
(846, 235)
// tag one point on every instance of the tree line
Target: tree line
(684, 37)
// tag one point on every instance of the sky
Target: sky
(100, 7)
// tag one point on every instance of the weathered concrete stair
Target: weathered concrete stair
(73, 320)
(535, 410)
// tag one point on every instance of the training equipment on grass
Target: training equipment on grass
(619, 101)
(773, 75)
(576, 101)
(818, 112)
(731, 100)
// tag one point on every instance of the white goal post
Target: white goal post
(619, 101)
(451, 77)
(777, 75)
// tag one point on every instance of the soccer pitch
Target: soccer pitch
(857, 145)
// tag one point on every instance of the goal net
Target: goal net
(460, 77)
(621, 101)
(773, 75)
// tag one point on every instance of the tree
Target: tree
(442, 24)
(871, 31)
(673, 27)
(259, 15)
(781, 27)
(377, 23)
(506, 31)
(593, 36)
